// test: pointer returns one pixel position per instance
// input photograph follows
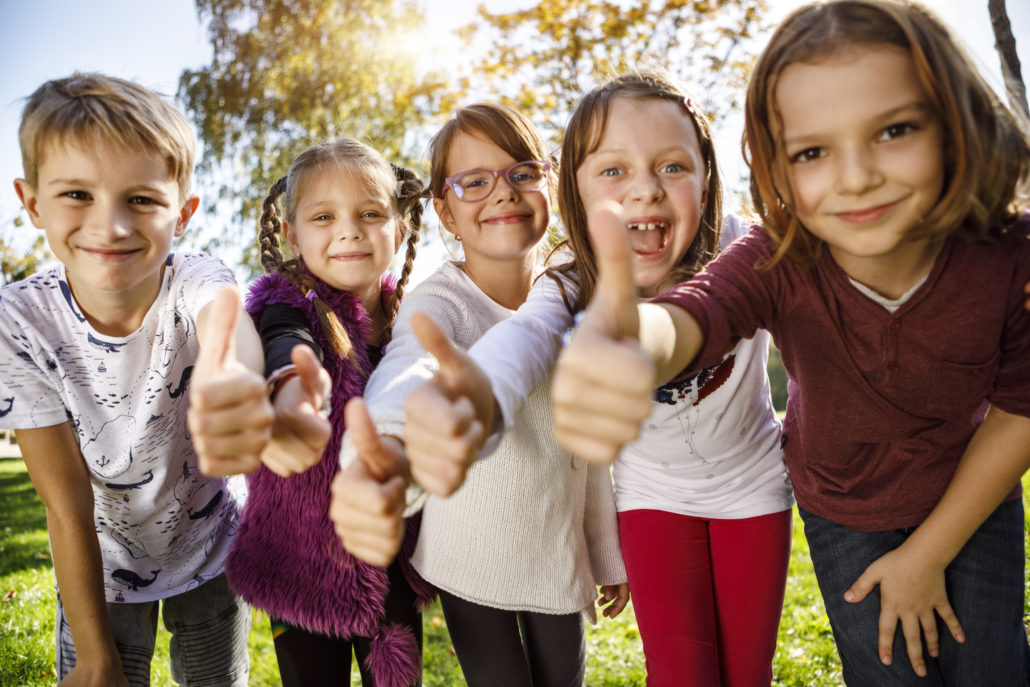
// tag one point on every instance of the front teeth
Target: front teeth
(647, 226)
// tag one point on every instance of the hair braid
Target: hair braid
(270, 234)
(411, 190)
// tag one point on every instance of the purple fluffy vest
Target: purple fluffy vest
(286, 558)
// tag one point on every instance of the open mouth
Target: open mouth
(648, 238)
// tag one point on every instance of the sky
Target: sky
(153, 41)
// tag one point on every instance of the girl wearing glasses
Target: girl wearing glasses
(517, 552)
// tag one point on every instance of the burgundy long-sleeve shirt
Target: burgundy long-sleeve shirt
(881, 405)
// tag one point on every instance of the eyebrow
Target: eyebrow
(72, 181)
(920, 107)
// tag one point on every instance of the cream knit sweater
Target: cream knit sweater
(532, 528)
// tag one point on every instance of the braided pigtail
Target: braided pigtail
(270, 233)
(411, 191)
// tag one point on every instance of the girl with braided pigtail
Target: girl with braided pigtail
(329, 305)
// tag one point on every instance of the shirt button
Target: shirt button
(892, 365)
(895, 324)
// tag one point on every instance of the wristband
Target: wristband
(280, 377)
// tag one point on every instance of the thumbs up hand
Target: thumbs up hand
(301, 429)
(449, 417)
(367, 507)
(603, 386)
(229, 416)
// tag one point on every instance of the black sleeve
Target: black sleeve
(282, 327)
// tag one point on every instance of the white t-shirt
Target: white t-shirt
(163, 527)
(711, 447)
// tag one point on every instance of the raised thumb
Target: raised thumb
(381, 463)
(616, 292)
(218, 340)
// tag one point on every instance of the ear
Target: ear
(291, 240)
(185, 213)
(444, 213)
(29, 200)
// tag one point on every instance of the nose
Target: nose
(646, 187)
(109, 220)
(503, 190)
(348, 228)
(857, 171)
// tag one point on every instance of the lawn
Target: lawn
(805, 655)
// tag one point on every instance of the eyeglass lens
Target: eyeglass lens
(479, 183)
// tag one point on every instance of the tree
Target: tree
(545, 57)
(16, 263)
(288, 73)
(1005, 43)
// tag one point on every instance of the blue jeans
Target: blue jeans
(209, 627)
(985, 588)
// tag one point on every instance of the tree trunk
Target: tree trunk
(1005, 43)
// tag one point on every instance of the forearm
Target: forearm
(993, 463)
(59, 475)
(670, 336)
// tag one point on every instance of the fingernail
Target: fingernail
(960, 638)
(886, 660)
(849, 595)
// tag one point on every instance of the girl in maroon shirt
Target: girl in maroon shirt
(887, 173)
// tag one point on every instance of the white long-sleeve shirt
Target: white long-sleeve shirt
(532, 528)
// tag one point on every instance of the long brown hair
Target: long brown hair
(402, 186)
(582, 137)
(986, 154)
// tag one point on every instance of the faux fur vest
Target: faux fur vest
(286, 557)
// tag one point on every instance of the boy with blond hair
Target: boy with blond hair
(97, 354)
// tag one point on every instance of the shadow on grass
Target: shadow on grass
(24, 523)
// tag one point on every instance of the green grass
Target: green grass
(805, 655)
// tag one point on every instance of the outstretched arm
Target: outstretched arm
(603, 386)
(230, 416)
(911, 577)
(61, 479)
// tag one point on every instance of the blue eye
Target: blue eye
(673, 168)
(611, 172)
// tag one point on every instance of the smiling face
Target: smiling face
(865, 155)
(110, 216)
(505, 226)
(655, 173)
(346, 234)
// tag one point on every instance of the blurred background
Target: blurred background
(263, 79)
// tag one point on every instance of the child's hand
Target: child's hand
(613, 598)
(603, 386)
(448, 417)
(911, 591)
(230, 416)
(301, 429)
(367, 507)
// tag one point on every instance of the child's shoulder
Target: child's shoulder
(39, 290)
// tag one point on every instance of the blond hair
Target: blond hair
(401, 187)
(81, 108)
(986, 154)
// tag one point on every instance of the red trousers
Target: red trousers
(707, 595)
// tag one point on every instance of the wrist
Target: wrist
(279, 377)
